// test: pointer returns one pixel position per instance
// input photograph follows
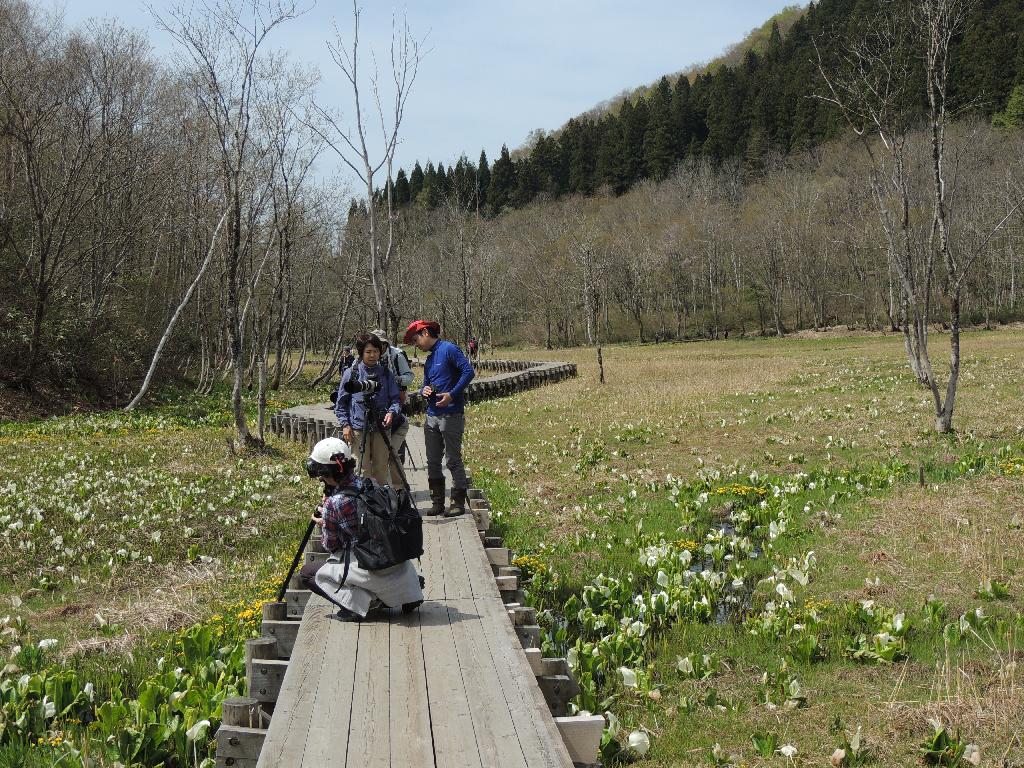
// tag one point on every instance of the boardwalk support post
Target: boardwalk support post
(240, 736)
(582, 737)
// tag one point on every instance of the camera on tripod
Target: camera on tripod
(369, 385)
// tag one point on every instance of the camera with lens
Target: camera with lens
(316, 470)
(369, 385)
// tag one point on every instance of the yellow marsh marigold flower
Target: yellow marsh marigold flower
(529, 565)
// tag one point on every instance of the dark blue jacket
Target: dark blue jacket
(447, 369)
(351, 408)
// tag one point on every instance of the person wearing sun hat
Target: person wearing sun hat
(446, 374)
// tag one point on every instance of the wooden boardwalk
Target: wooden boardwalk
(448, 685)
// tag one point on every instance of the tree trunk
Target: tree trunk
(174, 318)
(944, 419)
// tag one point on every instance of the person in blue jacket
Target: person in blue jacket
(446, 373)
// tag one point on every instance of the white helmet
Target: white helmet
(327, 458)
(329, 450)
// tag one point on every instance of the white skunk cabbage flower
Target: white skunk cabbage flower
(197, 731)
(628, 677)
(639, 743)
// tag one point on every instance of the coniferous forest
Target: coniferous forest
(747, 112)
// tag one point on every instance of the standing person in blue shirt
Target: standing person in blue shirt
(446, 373)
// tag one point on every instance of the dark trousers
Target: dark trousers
(308, 578)
(442, 436)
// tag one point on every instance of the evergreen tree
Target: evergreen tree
(483, 180)
(659, 150)
(464, 183)
(503, 182)
(774, 40)
(402, 189)
(528, 183)
(415, 182)
(429, 196)
(546, 160)
(442, 183)
(683, 118)
(582, 157)
(1013, 115)
(611, 167)
(634, 119)
(700, 94)
(725, 109)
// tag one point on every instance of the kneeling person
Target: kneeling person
(356, 592)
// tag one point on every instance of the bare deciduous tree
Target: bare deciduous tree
(353, 145)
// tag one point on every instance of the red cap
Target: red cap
(419, 325)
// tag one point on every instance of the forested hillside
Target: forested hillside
(763, 104)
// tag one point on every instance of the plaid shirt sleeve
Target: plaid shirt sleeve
(339, 524)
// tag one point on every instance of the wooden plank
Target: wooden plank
(457, 584)
(327, 738)
(450, 718)
(411, 742)
(496, 737)
(294, 709)
(478, 567)
(371, 699)
(538, 736)
(431, 562)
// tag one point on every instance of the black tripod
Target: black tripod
(373, 424)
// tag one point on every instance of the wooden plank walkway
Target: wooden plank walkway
(447, 686)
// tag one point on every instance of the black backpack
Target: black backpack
(390, 527)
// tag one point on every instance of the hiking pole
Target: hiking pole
(295, 561)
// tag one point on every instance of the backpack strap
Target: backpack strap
(348, 562)
(350, 493)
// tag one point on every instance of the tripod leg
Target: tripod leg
(393, 459)
(363, 437)
(295, 561)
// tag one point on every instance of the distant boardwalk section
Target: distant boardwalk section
(309, 423)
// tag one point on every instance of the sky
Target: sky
(493, 71)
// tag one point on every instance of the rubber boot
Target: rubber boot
(458, 505)
(436, 497)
